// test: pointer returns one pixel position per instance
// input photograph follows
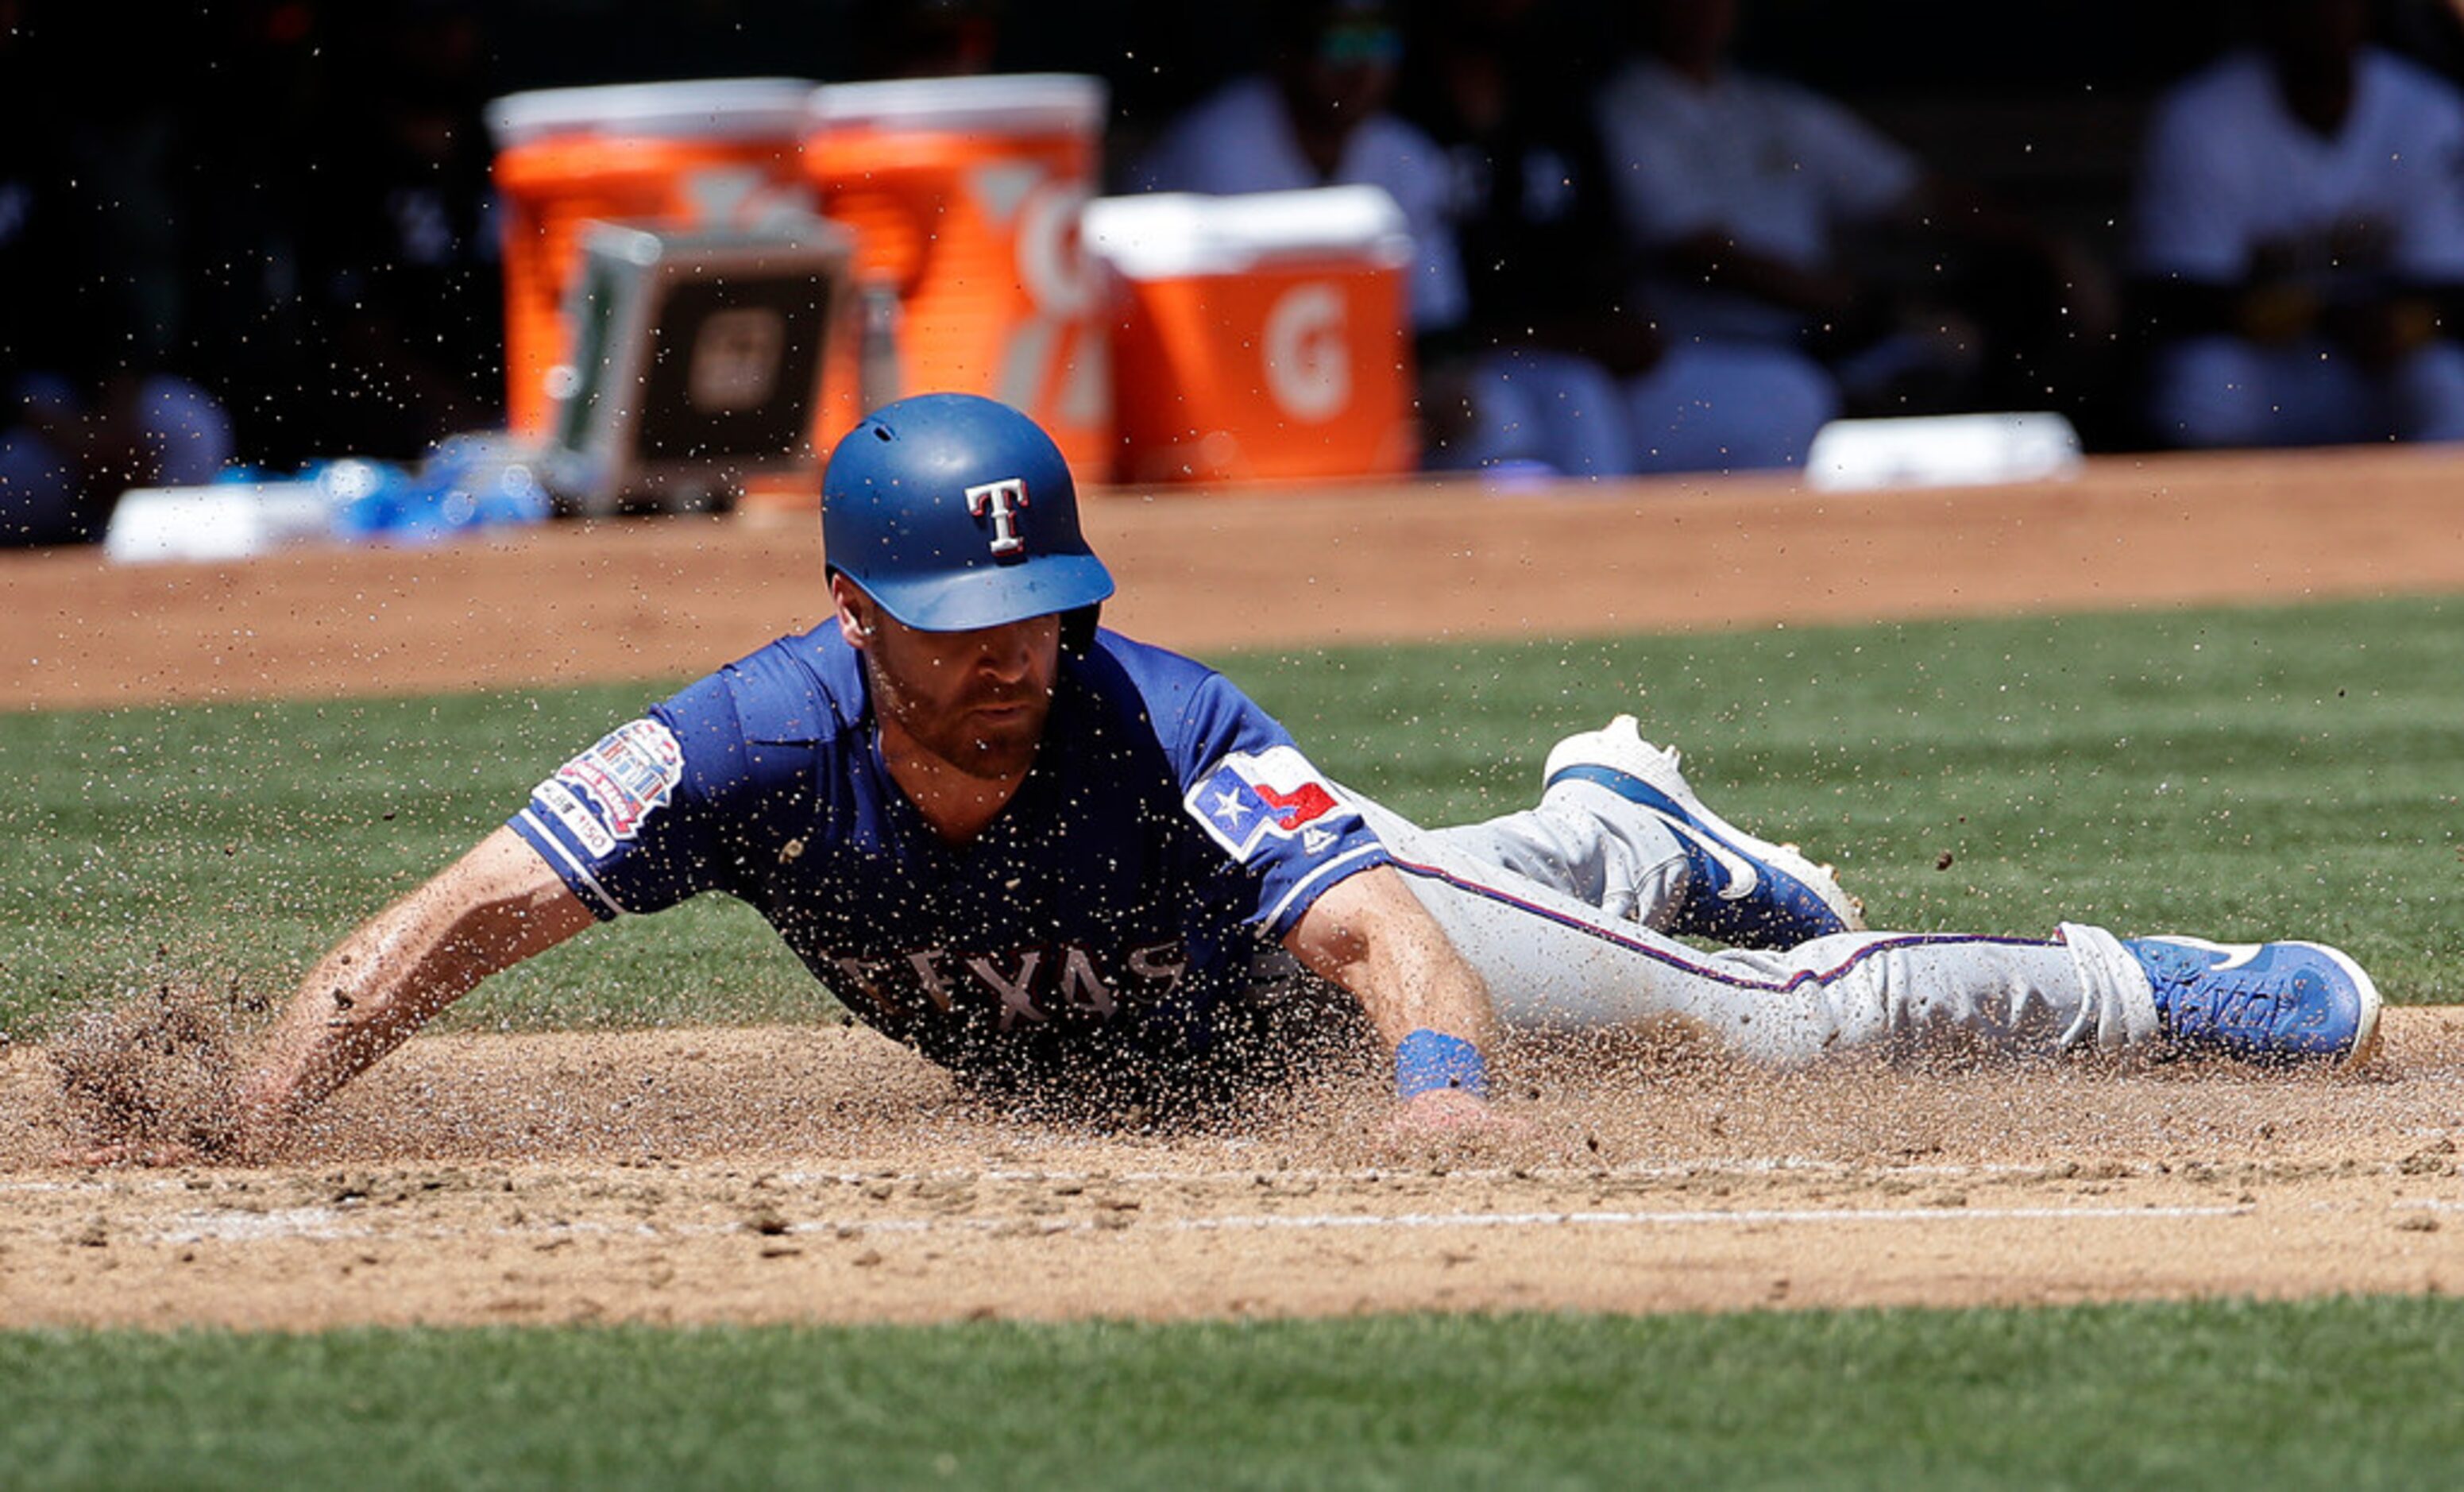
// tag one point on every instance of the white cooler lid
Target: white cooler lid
(1166, 235)
(716, 109)
(1009, 103)
(1942, 450)
(223, 520)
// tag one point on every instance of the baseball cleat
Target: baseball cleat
(1744, 892)
(2261, 1002)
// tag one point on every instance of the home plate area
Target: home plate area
(794, 1173)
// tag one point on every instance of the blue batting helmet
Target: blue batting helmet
(954, 512)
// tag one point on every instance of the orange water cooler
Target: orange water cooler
(964, 195)
(1258, 337)
(716, 154)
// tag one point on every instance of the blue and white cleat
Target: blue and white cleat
(2262, 1003)
(1743, 891)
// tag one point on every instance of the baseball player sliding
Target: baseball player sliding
(1039, 853)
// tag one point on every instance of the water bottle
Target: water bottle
(879, 378)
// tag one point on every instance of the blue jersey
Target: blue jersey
(1168, 830)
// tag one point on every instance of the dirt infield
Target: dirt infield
(803, 1173)
(1285, 569)
(821, 1174)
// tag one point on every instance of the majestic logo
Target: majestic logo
(1275, 793)
(1000, 500)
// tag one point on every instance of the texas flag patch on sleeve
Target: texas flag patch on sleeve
(1274, 793)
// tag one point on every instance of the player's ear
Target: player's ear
(854, 609)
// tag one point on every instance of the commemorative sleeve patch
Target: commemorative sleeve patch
(1274, 793)
(609, 791)
(564, 806)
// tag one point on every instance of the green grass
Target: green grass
(235, 843)
(2351, 1394)
(2234, 772)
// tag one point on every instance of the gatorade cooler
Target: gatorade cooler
(1265, 336)
(712, 154)
(964, 194)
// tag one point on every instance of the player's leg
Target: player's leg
(1552, 962)
(1619, 828)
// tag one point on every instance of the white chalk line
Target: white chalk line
(1555, 1175)
(103, 1185)
(325, 1223)
(1746, 1216)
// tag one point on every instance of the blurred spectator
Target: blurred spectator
(399, 256)
(93, 323)
(2299, 239)
(1762, 213)
(1318, 116)
(1555, 363)
(927, 38)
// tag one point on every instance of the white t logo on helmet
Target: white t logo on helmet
(1001, 499)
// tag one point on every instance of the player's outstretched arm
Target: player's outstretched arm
(1369, 934)
(497, 906)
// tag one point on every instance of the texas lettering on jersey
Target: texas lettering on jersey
(1029, 984)
(1170, 832)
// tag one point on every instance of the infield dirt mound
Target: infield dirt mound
(800, 1174)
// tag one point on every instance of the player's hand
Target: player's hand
(1449, 1119)
(249, 1137)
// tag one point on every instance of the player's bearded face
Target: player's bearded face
(976, 700)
